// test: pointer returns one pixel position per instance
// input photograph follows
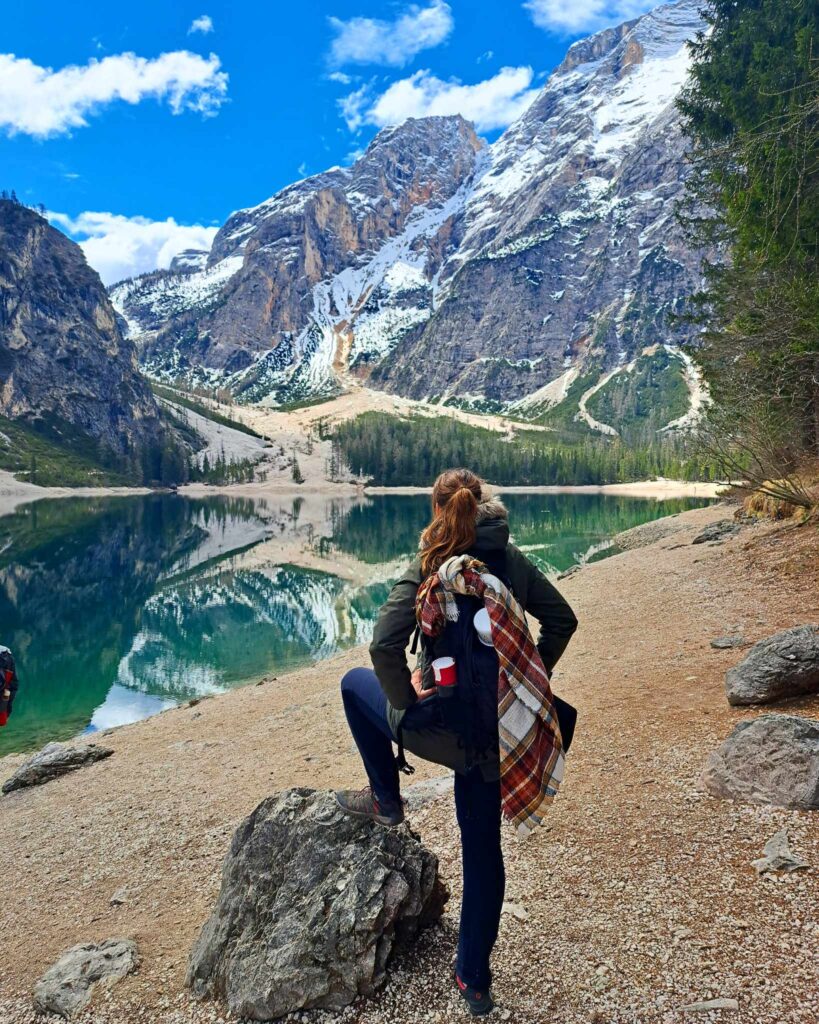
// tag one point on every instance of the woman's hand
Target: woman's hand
(417, 679)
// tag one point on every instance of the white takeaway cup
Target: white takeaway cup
(483, 627)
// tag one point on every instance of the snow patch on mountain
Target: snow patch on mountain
(148, 301)
(643, 95)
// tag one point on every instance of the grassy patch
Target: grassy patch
(305, 403)
(188, 401)
(66, 462)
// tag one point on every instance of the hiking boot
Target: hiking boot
(479, 1001)
(362, 803)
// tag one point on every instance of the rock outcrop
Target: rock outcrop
(54, 760)
(778, 856)
(437, 266)
(312, 905)
(64, 366)
(773, 759)
(67, 987)
(715, 533)
(780, 667)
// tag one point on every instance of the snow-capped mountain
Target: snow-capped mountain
(440, 267)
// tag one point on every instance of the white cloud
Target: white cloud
(203, 24)
(118, 247)
(575, 16)
(341, 77)
(491, 104)
(42, 102)
(375, 41)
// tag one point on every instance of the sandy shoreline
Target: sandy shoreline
(14, 493)
(658, 489)
(638, 893)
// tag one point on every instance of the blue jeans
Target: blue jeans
(478, 809)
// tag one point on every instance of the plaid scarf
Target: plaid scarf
(531, 748)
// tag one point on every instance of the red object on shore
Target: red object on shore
(444, 670)
(4, 717)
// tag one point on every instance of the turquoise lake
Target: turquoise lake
(117, 608)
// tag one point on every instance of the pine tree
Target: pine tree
(752, 114)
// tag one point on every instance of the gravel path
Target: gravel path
(636, 899)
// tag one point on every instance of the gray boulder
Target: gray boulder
(54, 760)
(67, 986)
(717, 532)
(781, 667)
(773, 759)
(313, 903)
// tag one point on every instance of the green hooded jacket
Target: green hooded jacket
(423, 732)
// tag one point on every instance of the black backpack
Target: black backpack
(470, 708)
(8, 673)
(471, 712)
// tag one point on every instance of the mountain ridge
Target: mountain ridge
(440, 267)
(66, 373)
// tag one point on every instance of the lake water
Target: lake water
(117, 608)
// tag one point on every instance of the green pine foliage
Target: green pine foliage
(751, 112)
(640, 403)
(562, 416)
(37, 459)
(220, 472)
(393, 451)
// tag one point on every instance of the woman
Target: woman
(393, 703)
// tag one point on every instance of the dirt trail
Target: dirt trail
(638, 895)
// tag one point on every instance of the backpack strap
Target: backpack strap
(401, 760)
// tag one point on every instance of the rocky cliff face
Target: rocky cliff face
(287, 282)
(568, 247)
(64, 366)
(439, 267)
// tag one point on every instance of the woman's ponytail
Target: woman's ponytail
(455, 499)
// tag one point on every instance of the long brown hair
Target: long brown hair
(455, 498)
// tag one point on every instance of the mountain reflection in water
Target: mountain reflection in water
(117, 608)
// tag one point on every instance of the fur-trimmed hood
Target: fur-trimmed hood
(490, 507)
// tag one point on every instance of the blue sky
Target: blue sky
(142, 127)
